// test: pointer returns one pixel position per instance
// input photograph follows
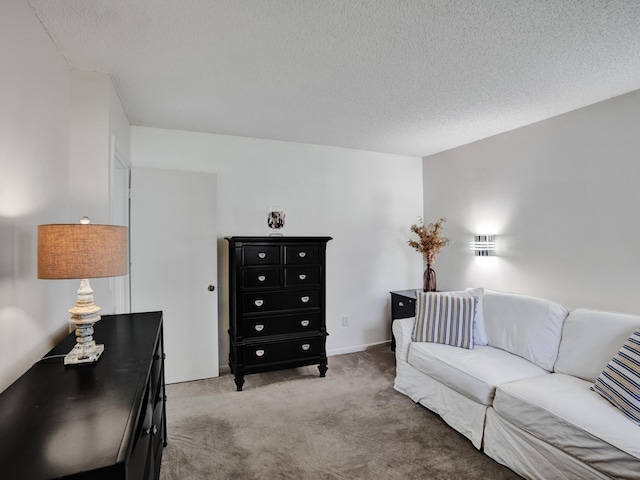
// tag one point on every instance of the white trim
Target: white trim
(354, 348)
(120, 286)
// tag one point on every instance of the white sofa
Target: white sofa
(522, 394)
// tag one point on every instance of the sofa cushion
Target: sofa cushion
(590, 338)
(619, 382)
(526, 326)
(459, 411)
(473, 373)
(479, 331)
(564, 412)
(444, 319)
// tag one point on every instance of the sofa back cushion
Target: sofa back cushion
(526, 326)
(590, 339)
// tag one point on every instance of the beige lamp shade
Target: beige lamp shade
(81, 251)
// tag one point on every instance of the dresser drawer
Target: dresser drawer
(273, 352)
(281, 324)
(138, 461)
(156, 368)
(297, 276)
(274, 301)
(157, 441)
(301, 255)
(261, 255)
(157, 425)
(402, 307)
(261, 277)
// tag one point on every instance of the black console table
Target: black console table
(99, 421)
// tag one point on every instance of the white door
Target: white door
(174, 265)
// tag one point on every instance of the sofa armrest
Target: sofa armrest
(402, 329)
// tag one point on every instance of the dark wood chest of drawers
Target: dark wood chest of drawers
(276, 304)
(100, 421)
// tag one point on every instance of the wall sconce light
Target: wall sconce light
(82, 251)
(484, 245)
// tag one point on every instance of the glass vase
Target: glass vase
(429, 279)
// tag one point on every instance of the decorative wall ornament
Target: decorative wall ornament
(275, 220)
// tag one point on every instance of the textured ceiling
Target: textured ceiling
(411, 77)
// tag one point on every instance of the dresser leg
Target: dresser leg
(239, 382)
(323, 369)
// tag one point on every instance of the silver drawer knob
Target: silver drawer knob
(304, 323)
(259, 353)
(306, 346)
(302, 254)
(259, 328)
(259, 303)
(400, 304)
(302, 276)
(304, 299)
(262, 255)
(262, 278)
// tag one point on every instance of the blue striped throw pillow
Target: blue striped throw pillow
(444, 319)
(619, 382)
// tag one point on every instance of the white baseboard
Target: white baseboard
(355, 348)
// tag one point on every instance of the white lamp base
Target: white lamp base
(84, 316)
(77, 356)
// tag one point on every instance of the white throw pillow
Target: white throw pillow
(619, 382)
(526, 326)
(479, 331)
(590, 338)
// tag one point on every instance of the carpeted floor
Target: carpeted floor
(294, 425)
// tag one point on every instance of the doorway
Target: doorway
(119, 213)
(174, 265)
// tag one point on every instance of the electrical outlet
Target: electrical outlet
(345, 320)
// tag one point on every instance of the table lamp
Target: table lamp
(82, 251)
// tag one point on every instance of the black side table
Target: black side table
(403, 305)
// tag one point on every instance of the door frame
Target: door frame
(119, 212)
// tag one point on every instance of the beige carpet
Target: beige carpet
(294, 425)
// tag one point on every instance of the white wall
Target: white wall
(34, 146)
(56, 129)
(563, 197)
(89, 146)
(119, 127)
(365, 201)
(98, 125)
